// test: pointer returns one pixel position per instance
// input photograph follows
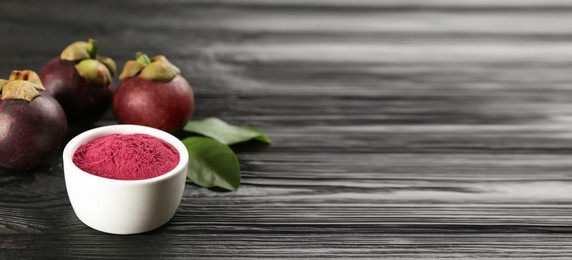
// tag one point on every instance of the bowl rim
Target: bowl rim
(101, 131)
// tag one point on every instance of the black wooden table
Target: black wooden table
(400, 128)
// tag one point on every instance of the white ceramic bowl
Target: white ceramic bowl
(124, 206)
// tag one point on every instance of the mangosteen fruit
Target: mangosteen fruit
(81, 81)
(33, 125)
(153, 93)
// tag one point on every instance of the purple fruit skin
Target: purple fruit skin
(164, 105)
(83, 102)
(30, 132)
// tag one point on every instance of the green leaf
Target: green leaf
(261, 135)
(212, 163)
(225, 133)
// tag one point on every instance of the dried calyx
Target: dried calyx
(94, 68)
(157, 68)
(22, 84)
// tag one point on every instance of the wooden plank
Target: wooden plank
(400, 129)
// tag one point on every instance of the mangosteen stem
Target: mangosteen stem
(143, 58)
(92, 48)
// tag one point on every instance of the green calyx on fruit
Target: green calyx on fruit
(22, 84)
(91, 66)
(157, 68)
(94, 71)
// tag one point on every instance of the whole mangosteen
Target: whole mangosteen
(33, 125)
(153, 93)
(81, 81)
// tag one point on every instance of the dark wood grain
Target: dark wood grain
(401, 128)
